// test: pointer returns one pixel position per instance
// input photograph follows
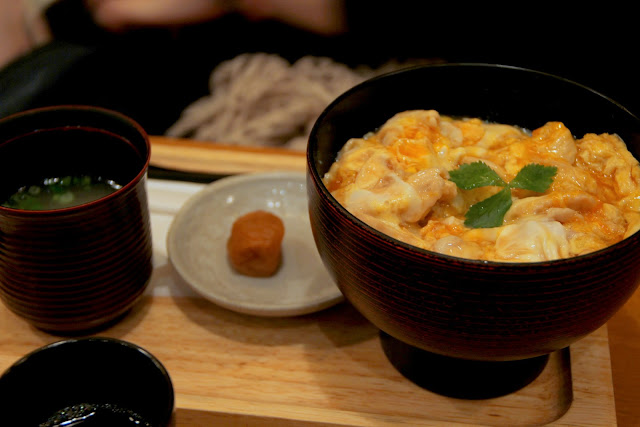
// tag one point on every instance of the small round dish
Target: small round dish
(197, 239)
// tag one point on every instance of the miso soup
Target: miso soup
(61, 192)
(98, 415)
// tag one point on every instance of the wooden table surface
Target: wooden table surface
(624, 345)
(623, 328)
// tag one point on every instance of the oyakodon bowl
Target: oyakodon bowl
(75, 268)
(455, 307)
(103, 381)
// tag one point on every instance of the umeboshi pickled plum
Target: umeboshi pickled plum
(255, 244)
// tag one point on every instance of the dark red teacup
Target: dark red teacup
(74, 268)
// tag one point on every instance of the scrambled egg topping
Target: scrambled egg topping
(397, 181)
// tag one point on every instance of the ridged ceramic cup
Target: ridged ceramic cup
(78, 268)
(474, 310)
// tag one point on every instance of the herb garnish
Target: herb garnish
(491, 211)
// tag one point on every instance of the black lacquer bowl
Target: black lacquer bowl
(105, 381)
(474, 310)
(76, 268)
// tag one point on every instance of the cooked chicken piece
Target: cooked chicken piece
(607, 155)
(554, 140)
(532, 241)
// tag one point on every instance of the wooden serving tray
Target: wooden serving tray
(323, 369)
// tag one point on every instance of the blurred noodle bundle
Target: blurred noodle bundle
(260, 99)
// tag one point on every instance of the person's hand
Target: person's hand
(120, 15)
(321, 16)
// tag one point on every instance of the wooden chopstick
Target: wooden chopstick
(219, 159)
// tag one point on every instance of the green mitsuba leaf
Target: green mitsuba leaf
(490, 212)
(474, 175)
(534, 177)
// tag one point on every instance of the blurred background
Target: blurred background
(152, 59)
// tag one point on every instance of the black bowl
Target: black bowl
(455, 307)
(113, 376)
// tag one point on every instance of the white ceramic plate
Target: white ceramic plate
(197, 239)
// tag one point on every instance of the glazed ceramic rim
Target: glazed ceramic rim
(328, 197)
(101, 111)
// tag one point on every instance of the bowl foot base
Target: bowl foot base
(460, 378)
